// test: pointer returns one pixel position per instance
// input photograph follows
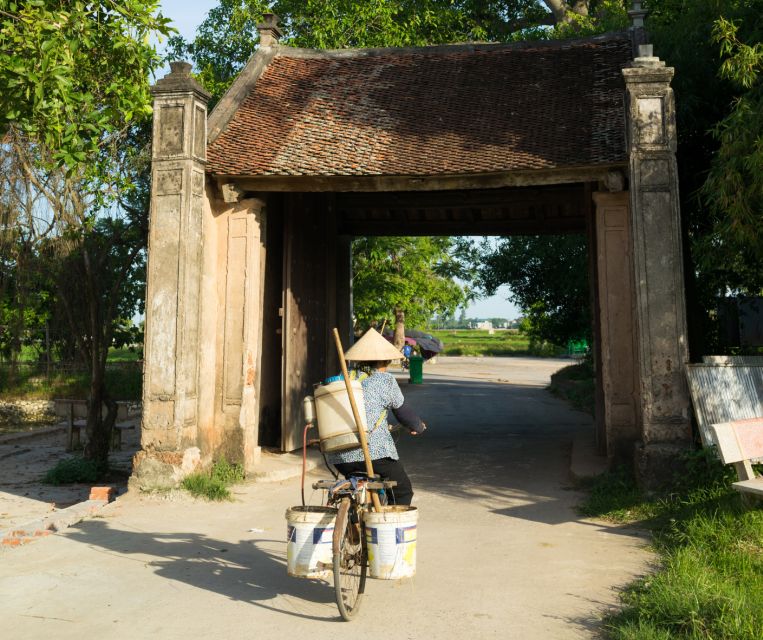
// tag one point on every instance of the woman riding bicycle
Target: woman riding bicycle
(381, 394)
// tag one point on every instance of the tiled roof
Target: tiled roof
(430, 111)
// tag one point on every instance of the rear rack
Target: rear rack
(376, 485)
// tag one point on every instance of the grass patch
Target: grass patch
(75, 470)
(615, 497)
(213, 484)
(576, 385)
(710, 581)
(125, 354)
(480, 342)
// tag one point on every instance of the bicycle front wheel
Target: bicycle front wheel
(350, 562)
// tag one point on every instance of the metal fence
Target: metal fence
(725, 391)
(50, 369)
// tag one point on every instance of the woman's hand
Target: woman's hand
(420, 430)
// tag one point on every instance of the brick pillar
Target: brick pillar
(171, 372)
(658, 267)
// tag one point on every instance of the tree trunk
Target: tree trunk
(99, 427)
(399, 338)
(562, 10)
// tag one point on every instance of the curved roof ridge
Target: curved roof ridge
(467, 47)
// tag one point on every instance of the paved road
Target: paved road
(502, 553)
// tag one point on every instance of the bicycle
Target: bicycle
(349, 545)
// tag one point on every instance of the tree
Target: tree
(548, 278)
(405, 280)
(227, 37)
(74, 87)
(24, 298)
(74, 72)
(93, 258)
(733, 191)
(224, 42)
(715, 162)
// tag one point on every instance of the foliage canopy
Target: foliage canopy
(74, 72)
(412, 274)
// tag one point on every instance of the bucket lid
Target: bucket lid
(372, 346)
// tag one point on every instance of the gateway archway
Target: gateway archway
(254, 208)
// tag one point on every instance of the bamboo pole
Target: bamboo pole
(356, 415)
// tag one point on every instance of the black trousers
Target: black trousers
(388, 469)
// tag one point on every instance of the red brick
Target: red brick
(102, 493)
(12, 542)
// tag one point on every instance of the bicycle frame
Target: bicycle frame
(350, 554)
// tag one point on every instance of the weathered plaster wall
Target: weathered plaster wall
(239, 291)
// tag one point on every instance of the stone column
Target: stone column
(658, 266)
(171, 375)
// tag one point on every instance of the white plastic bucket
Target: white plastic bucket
(391, 538)
(336, 424)
(309, 531)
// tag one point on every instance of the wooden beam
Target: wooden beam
(528, 210)
(535, 177)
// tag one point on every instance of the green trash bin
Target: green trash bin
(416, 369)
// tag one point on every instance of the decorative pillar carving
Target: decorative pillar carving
(171, 373)
(659, 283)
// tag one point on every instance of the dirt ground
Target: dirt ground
(501, 550)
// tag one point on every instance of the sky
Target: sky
(186, 15)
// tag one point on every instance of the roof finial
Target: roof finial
(269, 31)
(637, 15)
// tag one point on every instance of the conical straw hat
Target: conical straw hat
(372, 346)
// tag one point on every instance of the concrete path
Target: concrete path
(26, 457)
(501, 552)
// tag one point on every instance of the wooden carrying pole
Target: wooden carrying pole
(356, 415)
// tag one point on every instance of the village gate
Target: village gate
(253, 210)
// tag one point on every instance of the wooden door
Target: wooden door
(309, 306)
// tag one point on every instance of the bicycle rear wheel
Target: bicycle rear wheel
(350, 562)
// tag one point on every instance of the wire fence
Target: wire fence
(124, 379)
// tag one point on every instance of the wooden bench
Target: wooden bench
(76, 427)
(740, 442)
(75, 412)
(117, 433)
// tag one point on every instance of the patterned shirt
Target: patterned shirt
(380, 392)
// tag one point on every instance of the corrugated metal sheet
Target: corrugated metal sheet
(755, 360)
(724, 392)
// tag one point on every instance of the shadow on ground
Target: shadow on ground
(251, 571)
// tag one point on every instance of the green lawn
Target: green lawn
(479, 342)
(708, 582)
(124, 381)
